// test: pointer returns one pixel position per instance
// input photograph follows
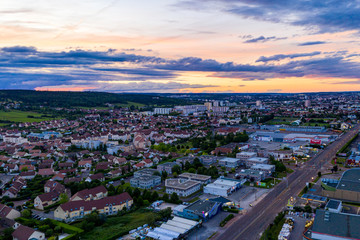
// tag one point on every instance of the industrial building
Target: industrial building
(223, 187)
(347, 188)
(172, 229)
(201, 209)
(335, 226)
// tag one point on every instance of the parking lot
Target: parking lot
(209, 227)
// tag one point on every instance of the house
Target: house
(8, 212)
(26, 233)
(78, 209)
(85, 164)
(46, 172)
(97, 176)
(52, 190)
(90, 194)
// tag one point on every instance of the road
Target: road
(251, 225)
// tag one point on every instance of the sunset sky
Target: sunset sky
(180, 46)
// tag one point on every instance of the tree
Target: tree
(192, 170)
(26, 213)
(64, 198)
(319, 174)
(164, 175)
(176, 169)
(7, 234)
(174, 198)
(308, 209)
(154, 196)
(165, 213)
(165, 197)
(136, 192)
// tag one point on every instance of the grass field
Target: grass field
(115, 227)
(128, 104)
(20, 116)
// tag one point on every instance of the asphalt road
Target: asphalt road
(251, 225)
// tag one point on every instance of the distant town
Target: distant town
(180, 166)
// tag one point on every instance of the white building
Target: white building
(223, 187)
(230, 162)
(162, 110)
(182, 187)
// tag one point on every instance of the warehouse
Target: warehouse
(201, 209)
(330, 225)
(172, 229)
(348, 188)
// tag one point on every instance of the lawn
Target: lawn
(20, 116)
(128, 104)
(115, 227)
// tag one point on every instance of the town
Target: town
(190, 171)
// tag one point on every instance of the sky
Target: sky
(180, 46)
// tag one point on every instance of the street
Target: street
(251, 225)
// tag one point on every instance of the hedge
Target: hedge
(228, 218)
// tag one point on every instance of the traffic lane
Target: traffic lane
(301, 176)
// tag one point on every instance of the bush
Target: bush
(228, 218)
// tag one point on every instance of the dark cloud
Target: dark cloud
(19, 49)
(284, 56)
(312, 43)
(263, 39)
(318, 16)
(30, 68)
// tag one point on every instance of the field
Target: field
(115, 227)
(20, 116)
(128, 104)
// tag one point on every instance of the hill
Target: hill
(86, 99)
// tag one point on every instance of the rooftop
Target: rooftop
(201, 206)
(337, 224)
(195, 176)
(180, 184)
(350, 180)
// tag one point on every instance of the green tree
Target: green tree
(7, 234)
(64, 198)
(176, 169)
(174, 198)
(26, 213)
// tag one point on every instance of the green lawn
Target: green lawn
(128, 104)
(115, 227)
(21, 116)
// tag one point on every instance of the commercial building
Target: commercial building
(348, 188)
(208, 159)
(230, 162)
(335, 226)
(182, 187)
(243, 156)
(203, 179)
(201, 209)
(223, 187)
(78, 209)
(266, 168)
(146, 181)
(255, 160)
(146, 171)
(166, 167)
(251, 174)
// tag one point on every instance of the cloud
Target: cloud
(28, 67)
(318, 16)
(19, 49)
(312, 43)
(279, 57)
(263, 39)
(274, 90)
